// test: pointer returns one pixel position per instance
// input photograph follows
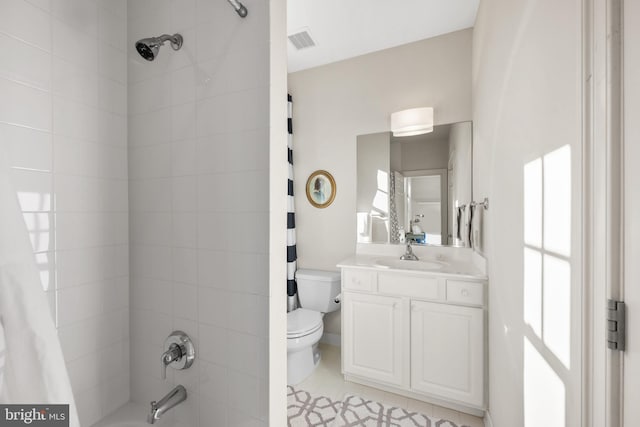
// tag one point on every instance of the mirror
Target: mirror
(416, 187)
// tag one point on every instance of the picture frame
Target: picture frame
(321, 189)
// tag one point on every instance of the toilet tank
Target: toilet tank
(317, 289)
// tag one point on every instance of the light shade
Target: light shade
(414, 121)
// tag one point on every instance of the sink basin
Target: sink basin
(409, 265)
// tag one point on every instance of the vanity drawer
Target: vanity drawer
(359, 280)
(411, 286)
(465, 292)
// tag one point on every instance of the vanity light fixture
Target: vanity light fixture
(414, 121)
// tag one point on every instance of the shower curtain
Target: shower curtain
(292, 255)
(32, 368)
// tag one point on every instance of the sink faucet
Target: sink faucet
(175, 396)
(408, 254)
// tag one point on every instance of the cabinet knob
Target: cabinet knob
(464, 293)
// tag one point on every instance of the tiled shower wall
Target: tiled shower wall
(63, 123)
(198, 169)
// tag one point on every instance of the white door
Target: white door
(373, 337)
(447, 356)
(631, 228)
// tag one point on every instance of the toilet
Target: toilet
(317, 291)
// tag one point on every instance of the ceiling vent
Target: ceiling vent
(302, 39)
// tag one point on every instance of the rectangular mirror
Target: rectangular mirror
(415, 187)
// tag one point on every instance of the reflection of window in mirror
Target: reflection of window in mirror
(424, 177)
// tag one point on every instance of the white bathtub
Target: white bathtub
(132, 415)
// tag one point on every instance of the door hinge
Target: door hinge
(616, 325)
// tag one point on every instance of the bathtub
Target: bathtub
(133, 415)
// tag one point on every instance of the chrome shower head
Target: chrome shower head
(148, 48)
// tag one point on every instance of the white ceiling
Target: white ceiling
(343, 29)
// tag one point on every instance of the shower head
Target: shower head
(148, 48)
(239, 7)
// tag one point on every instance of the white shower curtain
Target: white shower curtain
(32, 369)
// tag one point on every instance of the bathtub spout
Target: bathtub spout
(174, 397)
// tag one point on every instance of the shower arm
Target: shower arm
(175, 40)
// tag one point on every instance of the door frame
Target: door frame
(603, 207)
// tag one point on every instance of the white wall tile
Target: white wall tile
(183, 121)
(112, 62)
(150, 195)
(184, 194)
(112, 28)
(75, 120)
(87, 265)
(84, 372)
(49, 81)
(151, 262)
(185, 265)
(42, 4)
(34, 190)
(150, 128)
(213, 269)
(82, 15)
(150, 94)
(78, 303)
(183, 155)
(214, 231)
(185, 301)
(152, 295)
(154, 228)
(74, 45)
(112, 96)
(213, 382)
(213, 307)
(151, 161)
(213, 344)
(88, 404)
(184, 232)
(29, 107)
(27, 148)
(25, 63)
(26, 22)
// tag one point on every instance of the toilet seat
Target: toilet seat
(303, 322)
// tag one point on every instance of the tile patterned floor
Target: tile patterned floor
(327, 381)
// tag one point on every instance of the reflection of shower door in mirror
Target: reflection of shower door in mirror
(426, 195)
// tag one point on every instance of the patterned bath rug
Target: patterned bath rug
(360, 412)
(305, 410)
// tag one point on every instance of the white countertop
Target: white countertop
(453, 268)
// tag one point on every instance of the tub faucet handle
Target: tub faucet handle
(173, 354)
(180, 353)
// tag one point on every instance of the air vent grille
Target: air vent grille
(302, 40)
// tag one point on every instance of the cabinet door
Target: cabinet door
(447, 351)
(373, 337)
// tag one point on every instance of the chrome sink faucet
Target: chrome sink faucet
(174, 397)
(408, 253)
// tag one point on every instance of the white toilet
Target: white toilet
(317, 291)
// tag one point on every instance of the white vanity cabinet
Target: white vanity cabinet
(447, 351)
(373, 337)
(417, 334)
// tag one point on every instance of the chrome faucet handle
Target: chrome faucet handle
(173, 354)
(180, 352)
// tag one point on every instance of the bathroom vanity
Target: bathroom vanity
(416, 328)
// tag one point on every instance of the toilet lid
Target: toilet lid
(303, 322)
